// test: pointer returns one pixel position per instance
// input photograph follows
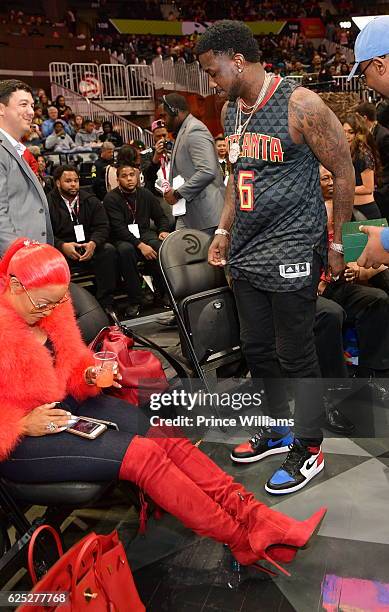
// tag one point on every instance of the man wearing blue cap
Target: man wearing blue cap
(372, 60)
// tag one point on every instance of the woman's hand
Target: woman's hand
(352, 271)
(45, 419)
(90, 376)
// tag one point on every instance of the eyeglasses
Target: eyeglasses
(47, 306)
(362, 75)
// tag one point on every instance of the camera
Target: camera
(168, 145)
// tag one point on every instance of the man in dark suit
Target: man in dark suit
(81, 230)
(130, 209)
(23, 205)
(381, 136)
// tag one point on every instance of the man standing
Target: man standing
(81, 231)
(194, 165)
(222, 155)
(155, 162)
(23, 204)
(275, 213)
(372, 62)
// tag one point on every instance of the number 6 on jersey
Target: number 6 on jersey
(246, 190)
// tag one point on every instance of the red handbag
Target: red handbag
(94, 573)
(142, 372)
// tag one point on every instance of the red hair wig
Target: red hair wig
(34, 264)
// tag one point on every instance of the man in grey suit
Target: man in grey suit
(23, 205)
(194, 159)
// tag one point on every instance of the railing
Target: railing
(91, 109)
(343, 85)
(105, 82)
(139, 81)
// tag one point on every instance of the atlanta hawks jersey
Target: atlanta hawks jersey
(280, 217)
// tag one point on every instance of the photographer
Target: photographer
(59, 141)
(155, 163)
(81, 230)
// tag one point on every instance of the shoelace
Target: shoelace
(256, 439)
(297, 454)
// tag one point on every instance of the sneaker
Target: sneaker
(301, 465)
(261, 445)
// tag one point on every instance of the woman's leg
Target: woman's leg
(127, 417)
(249, 530)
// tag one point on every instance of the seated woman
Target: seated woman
(44, 361)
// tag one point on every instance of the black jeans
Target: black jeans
(368, 309)
(129, 256)
(104, 266)
(277, 338)
(329, 320)
(62, 457)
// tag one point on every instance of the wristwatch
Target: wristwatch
(177, 195)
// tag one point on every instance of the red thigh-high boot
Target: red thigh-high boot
(238, 502)
(147, 464)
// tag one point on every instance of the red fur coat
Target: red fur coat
(28, 376)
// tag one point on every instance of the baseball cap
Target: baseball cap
(159, 123)
(372, 41)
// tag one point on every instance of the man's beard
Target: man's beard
(233, 93)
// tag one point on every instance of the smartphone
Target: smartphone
(87, 429)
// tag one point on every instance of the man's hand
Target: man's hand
(217, 253)
(170, 197)
(335, 263)
(374, 253)
(89, 250)
(351, 273)
(163, 235)
(147, 251)
(35, 422)
(69, 249)
(159, 149)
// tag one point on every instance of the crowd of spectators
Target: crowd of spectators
(18, 23)
(57, 129)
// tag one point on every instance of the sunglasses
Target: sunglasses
(46, 306)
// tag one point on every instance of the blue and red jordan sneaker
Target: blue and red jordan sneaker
(301, 465)
(263, 444)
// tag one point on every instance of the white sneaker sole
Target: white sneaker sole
(276, 451)
(297, 487)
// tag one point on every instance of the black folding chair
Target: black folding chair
(203, 304)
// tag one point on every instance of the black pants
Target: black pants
(368, 309)
(129, 256)
(62, 457)
(104, 266)
(371, 210)
(329, 320)
(277, 339)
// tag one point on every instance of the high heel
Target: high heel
(276, 538)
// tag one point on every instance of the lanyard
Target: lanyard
(129, 205)
(73, 208)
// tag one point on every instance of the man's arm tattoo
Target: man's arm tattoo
(324, 135)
